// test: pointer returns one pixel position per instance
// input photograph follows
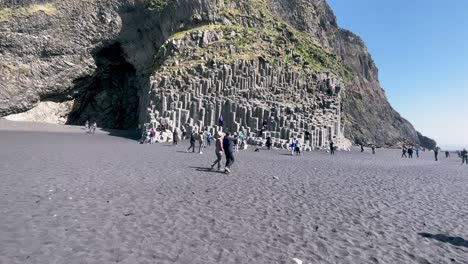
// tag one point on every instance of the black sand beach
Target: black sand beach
(71, 197)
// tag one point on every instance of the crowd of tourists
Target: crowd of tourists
(227, 144)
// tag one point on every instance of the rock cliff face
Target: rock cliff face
(280, 64)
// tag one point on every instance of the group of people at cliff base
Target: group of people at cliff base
(90, 128)
(407, 152)
(205, 139)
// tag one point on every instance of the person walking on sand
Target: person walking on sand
(228, 152)
(403, 154)
(410, 152)
(201, 142)
(436, 154)
(175, 137)
(94, 128)
(417, 153)
(297, 150)
(332, 148)
(362, 148)
(464, 156)
(192, 142)
(373, 149)
(293, 146)
(218, 151)
(86, 125)
(447, 154)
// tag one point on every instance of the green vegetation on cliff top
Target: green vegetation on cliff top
(7, 13)
(270, 38)
(156, 5)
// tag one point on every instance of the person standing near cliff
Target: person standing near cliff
(306, 137)
(221, 121)
(218, 151)
(201, 142)
(417, 153)
(94, 128)
(192, 142)
(228, 152)
(403, 152)
(152, 136)
(362, 148)
(373, 149)
(175, 137)
(436, 154)
(241, 140)
(464, 156)
(268, 143)
(332, 148)
(184, 133)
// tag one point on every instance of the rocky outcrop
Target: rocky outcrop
(185, 62)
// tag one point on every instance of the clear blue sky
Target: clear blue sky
(421, 50)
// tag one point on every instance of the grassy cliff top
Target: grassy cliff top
(7, 13)
(251, 32)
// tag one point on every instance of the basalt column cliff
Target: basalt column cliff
(283, 63)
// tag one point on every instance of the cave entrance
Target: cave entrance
(110, 96)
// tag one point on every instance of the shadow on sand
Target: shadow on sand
(456, 241)
(128, 134)
(203, 169)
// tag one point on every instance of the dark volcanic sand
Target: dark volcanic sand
(80, 198)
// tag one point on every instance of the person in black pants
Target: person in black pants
(228, 152)
(410, 152)
(464, 156)
(192, 142)
(436, 153)
(268, 143)
(332, 148)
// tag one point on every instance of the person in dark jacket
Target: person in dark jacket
(410, 152)
(436, 154)
(464, 156)
(268, 143)
(192, 142)
(221, 121)
(175, 137)
(228, 145)
(332, 148)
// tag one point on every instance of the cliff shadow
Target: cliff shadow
(109, 96)
(113, 95)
